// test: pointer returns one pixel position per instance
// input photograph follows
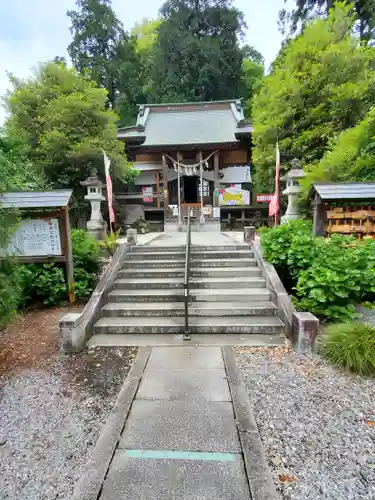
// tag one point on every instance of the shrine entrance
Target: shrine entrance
(190, 189)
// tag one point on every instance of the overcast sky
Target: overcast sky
(37, 30)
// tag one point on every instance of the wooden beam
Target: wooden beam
(165, 187)
(158, 188)
(319, 216)
(216, 179)
(69, 259)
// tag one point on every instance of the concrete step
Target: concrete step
(148, 283)
(223, 254)
(167, 255)
(195, 283)
(233, 295)
(219, 248)
(216, 309)
(153, 249)
(166, 295)
(181, 248)
(243, 282)
(246, 295)
(153, 264)
(195, 263)
(229, 339)
(255, 324)
(197, 272)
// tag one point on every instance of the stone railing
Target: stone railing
(76, 328)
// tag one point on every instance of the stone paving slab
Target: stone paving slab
(183, 426)
(175, 479)
(184, 385)
(186, 357)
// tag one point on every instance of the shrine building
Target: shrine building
(191, 157)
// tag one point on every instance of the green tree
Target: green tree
(97, 34)
(305, 10)
(146, 34)
(322, 84)
(62, 117)
(17, 172)
(350, 157)
(252, 76)
(197, 54)
(101, 46)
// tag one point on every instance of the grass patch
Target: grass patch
(350, 346)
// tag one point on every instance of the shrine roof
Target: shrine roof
(214, 122)
(56, 198)
(345, 190)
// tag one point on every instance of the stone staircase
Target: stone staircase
(228, 293)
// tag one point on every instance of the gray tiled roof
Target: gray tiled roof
(202, 123)
(36, 199)
(345, 190)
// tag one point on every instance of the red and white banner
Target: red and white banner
(274, 207)
(107, 164)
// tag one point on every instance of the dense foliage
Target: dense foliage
(197, 53)
(47, 283)
(350, 346)
(350, 158)
(16, 172)
(321, 84)
(101, 45)
(307, 9)
(61, 116)
(191, 53)
(328, 277)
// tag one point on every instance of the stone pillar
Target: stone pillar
(305, 328)
(249, 234)
(96, 225)
(131, 236)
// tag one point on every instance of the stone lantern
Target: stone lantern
(96, 225)
(292, 190)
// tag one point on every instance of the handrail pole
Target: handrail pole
(186, 335)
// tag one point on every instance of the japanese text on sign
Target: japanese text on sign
(36, 238)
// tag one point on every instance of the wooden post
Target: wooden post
(165, 187)
(319, 217)
(158, 188)
(69, 259)
(216, 179)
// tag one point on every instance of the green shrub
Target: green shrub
(277, 241)
(46, 283)
(350, 346)
(10, 289)
(328, 276)
(110, 243)
(331, 286)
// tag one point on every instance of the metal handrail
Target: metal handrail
(186, 279)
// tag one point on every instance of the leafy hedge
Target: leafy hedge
(23, 285)
(327, 277)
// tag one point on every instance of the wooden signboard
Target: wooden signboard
(43, 234)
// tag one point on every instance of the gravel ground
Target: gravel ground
(317, 424)
(52, 408)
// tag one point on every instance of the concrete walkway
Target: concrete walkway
(180, 440)
(181, 429)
